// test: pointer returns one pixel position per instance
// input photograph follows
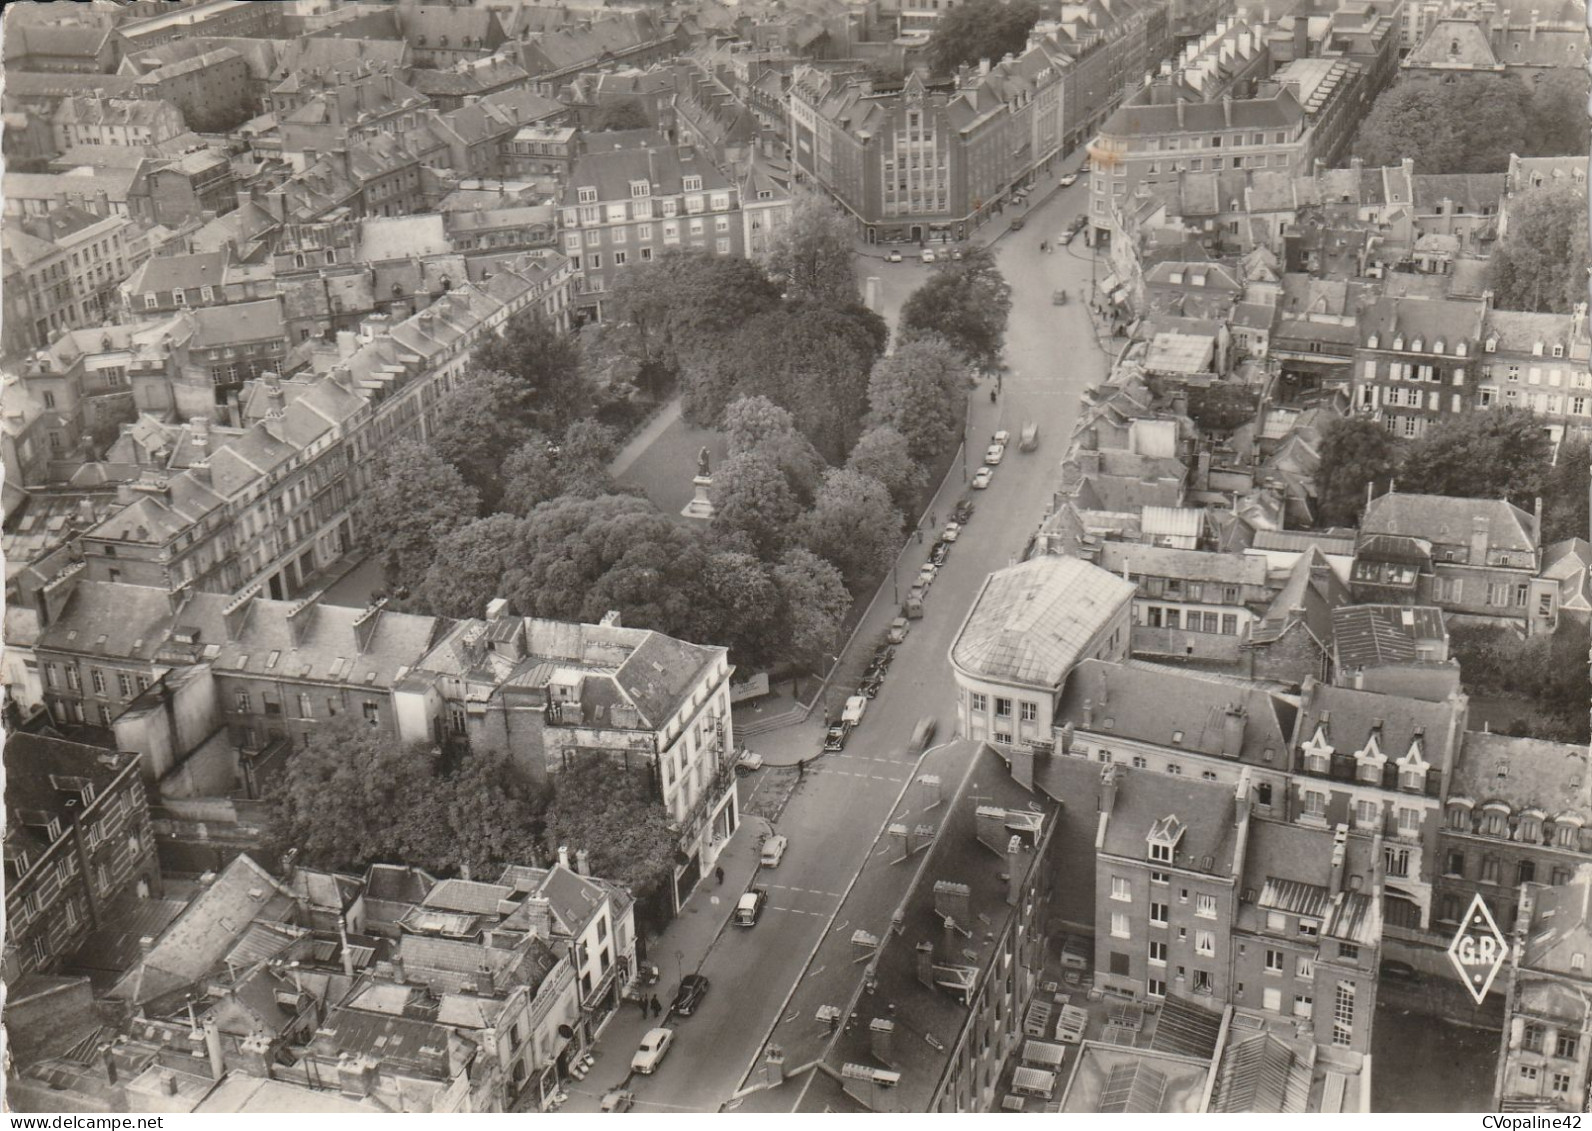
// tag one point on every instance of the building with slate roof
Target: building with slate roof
(1029, 626)
(1380, 764)
(1270, 128)
(1518, 811)
(626, 202)
(1393, 649)
(1538, 361)
(77, 841)
(1544, 1054)
(548, 693)
(1484, 555)
(1190, 604)
(1309, 926)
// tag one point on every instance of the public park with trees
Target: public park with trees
(830, 437)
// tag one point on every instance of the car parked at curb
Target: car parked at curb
(748, 762)
(994, 454)
(899, 629)
(773, 851)
(654, 1046)
(693, 988)
(953, 531)
(1068, 180)
(893, 255)
(981, 478)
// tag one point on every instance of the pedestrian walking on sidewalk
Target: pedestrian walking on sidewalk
(643, 1003)
(920, 534)
(718, 874)
(657, 1006)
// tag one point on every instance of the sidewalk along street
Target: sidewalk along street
(681, 948)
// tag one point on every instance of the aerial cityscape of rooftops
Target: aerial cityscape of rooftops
(517, 601)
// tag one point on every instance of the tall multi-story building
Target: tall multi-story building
(1146, 141)
(62, 271)
(1545, 1054)
(78, 847)
(1418, 361)
(548, 693)
(625, 206)
(1538, 361)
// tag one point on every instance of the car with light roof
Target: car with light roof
(654, 1047)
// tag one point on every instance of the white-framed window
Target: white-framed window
(691, 184)
(1155, 987)
(1271, 999)
(1275, 960)
(1205, 906)
(586, 195)
(1157, 914)
(1205, 942)
(1158, 954)
(1121, 890)
(1343, 1015)
(1120, 928)
(1305, 967)
(1304, 1006)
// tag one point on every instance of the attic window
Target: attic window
(1415, 346)
(1492, 345)
(1177, 737)
(1461, 349)
(1371, 342)
(1398, 343)
(1437, 346)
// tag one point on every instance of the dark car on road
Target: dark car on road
(1395, 971)
(871, 684)
(835, 737)
(941, 551)
(963, 511)
(1017, 224)
(693, 988)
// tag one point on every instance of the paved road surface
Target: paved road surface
(834, 820)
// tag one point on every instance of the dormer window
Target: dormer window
(1370, 759)
(1413, 766)
(1372, 341)
(639, 189)
(1459, 818)
(1415, 346)
(1492, 345)
(1437, 346)
(1461, 350)
(587, 195)
(1163, 838)
(691, 184)
(1495, 820)
(1558, 350)
(1318, 751)
(1536, 349)
(1398, 343)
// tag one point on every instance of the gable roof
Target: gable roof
(1441, 519)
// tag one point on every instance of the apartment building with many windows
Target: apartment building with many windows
(629, 205)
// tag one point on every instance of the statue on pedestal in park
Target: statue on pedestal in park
(703, 461)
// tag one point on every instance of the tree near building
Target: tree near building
(921, 391)
(754, 501)
(411, 505)
(738, 607)
(966, 302)
(1557, 119)
(1564, 493)
(1355, 452)
(814, 254)
(1541, 263)
(476, 429)
(545, 363)
(353, 795)
(1500, 453)
(610, 810)
(882, 453)
(1468, 125)
(980, 29)
(471, 567)
(815, 603)
(621, 114)
(814, 361)
(530, 475)
(492, 813)
(853, 525)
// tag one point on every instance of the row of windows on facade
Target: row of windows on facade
(1368, 815)
(640, 209)
(44, 890)
(1225, 624)
(1303, 1005)
(1234, 140)
(1461, 348)
(1140, 762)
(671, 233)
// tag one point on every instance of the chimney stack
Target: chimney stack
(952, 901)
(928, 791)
(563, 856)
(218, 1064)
(1340, 852)
(539, 912)
(1108, 786)
(342, 938)
(398, 969)
(1088, 714)
(1227, 110)
(881, 1031)
(1180, 112)
(582, 862)
(1232, 730)
(1536, 521)
(926, 963)
(1014, 870)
